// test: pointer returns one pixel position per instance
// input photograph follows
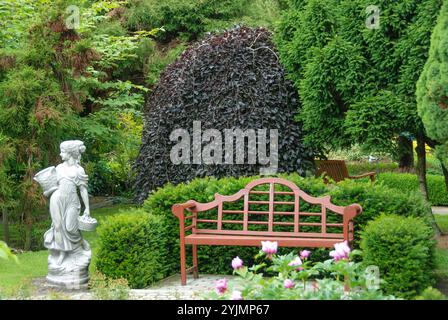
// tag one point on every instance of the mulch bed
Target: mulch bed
(442, 241)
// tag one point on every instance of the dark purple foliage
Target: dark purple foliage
(227, 81)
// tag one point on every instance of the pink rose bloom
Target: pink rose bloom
(288, 284)
(221, 286)
(269, 247)
(341, 251)
(297, 262)
(237, 263)
(304, 254)
(236, 295)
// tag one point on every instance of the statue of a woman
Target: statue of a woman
(70, 254)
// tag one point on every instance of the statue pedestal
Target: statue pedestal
(72, 272)
(77, 280)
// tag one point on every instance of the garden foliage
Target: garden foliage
(186, 19)
(356, 81)
(375, 199)
(408, 183)
(403, 249)
(103, 288)
(59, 83)
(293, 277)
(134, 246)
(227, 81)
(432, 88)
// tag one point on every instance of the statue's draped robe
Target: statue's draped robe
(65, 207)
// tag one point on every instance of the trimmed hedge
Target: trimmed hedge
(134, 246)
(405, 182)
(375, 199)
(403, 249)
(355, 168)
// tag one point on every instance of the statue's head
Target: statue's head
(72, 149)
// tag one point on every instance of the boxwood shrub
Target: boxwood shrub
(405, 182)
(375, 199)
(134, 245)
(403, 249)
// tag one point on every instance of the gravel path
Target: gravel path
(440, 210)
(167, 289)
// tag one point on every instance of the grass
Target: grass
(441, 254)
(442, 222)
(14, 278)
(441, 270)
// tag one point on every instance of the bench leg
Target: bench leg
(195, 262)
(183, 265)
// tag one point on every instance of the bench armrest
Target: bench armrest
(178, 209)
(350, 212)
(364, 175)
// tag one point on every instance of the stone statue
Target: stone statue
(70, 254)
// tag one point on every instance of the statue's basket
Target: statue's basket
(47, 179)
(87, 225)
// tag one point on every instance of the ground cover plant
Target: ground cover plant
(295, 278)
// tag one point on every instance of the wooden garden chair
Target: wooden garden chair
(337, 171)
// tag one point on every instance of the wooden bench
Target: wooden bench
(337, 170)
(194, 233)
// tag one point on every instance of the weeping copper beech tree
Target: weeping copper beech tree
(230, 81)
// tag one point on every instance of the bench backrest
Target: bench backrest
(335, 169)
(270, 220)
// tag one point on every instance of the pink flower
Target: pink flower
(341, 251)
(288, 284)
(236, 295)
(221, 286)
(269, 247)
(304, 254)
(297, 262)
(237, 263)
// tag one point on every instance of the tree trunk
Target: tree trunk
(406, 154)
(5, 223)
(28, 234)
(421, 174)
(421, 167)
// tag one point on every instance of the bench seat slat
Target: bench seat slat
(276, 192)
(275, 223)
(275, 212)
(235, 240)
(267, 202)
(270, 234)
